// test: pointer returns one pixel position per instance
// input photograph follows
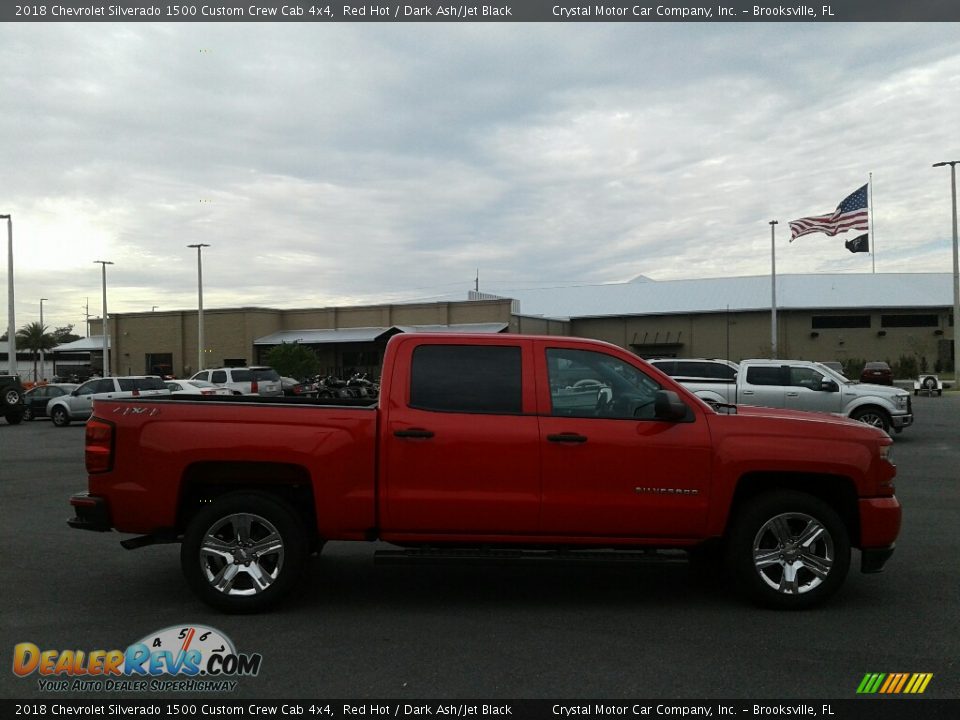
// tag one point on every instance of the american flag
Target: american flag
(851, 214)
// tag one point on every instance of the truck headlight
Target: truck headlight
(901, 401)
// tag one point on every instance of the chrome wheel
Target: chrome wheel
(244, 550)
(788, 549)
(242, 554)
(874, 417)
(60, 417)
(793, 553)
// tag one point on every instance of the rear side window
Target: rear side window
(467, 379)
(219, 376)
(241, 375)
(764, 376)
(265, 374)
(129, 384)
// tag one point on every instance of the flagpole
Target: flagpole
(872, 236)
(773, 290)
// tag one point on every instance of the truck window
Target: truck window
(806, 377)
(584, 383)
(467, 379)
(765, 375)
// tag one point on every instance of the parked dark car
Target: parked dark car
(295, 388)
(878, 373)
(36, 398)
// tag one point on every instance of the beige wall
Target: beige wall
(230, 333)
(739, 335)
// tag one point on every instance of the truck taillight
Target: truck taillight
(254, 388)
(99, 446)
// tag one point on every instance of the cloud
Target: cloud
(359, 163)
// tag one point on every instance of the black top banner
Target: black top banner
(319, 11)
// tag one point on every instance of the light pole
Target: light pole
(106, 344)
(956, 270)
(36, 379)
(773, 290)
(11, 321)
(199, 247)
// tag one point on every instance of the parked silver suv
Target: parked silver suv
(253, 380)
(78, 405)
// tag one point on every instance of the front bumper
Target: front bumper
(92, 513)
(879, 527)
(901, 421)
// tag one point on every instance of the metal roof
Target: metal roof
(320, 337)
(794, 292)
(369, 334)
(88, 344)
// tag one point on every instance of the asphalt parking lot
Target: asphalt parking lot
(356, 630)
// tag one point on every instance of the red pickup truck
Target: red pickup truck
(492, 446)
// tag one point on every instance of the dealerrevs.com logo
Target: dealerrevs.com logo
(180, 658)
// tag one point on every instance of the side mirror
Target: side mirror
(829, 386)
(667, 405)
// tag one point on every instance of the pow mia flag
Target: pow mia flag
(858, 244)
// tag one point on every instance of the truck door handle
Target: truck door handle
(748, 392)
(413, 433)
(567, 438)
(793, 394)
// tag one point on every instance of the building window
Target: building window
(826, 322)
(907, 321)
(159, 364)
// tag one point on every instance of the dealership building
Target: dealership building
(883, 316)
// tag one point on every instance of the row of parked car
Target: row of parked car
(64, 403)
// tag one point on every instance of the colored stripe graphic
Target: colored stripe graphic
(894, 683)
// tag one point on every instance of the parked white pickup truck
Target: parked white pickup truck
(792, 384)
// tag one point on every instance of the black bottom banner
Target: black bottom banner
(872, 708)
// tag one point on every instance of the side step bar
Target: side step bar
(497, 556)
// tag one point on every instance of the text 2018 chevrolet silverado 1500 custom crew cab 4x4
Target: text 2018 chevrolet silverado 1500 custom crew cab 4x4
(480, 444)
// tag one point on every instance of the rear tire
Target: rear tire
(244, 552)
(27, 414)
(788, 550)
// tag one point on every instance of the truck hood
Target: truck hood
(865, 389)
(811, 421)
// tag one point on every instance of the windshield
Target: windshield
(834, 375)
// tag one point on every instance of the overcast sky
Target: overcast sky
(362, 163)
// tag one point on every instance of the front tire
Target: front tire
(59, 416)
(873, 416)
(244, 552)
(789, 550)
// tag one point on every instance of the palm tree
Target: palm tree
(34, 337)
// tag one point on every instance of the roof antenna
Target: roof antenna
(476, 283)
